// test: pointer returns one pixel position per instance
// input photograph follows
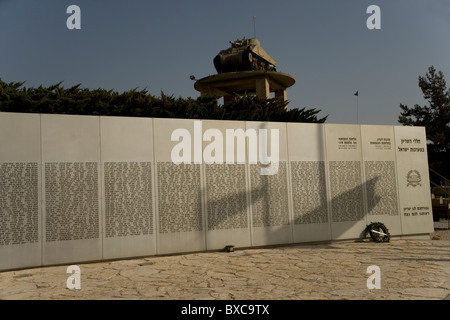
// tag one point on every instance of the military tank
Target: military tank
(244, 55)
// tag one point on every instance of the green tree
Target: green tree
(435, 118)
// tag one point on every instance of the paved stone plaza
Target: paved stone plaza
(410, 270)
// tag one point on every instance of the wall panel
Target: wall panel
(413, 180)
(20, 191)
(306, 145)
(226, 186)
(269, 193)
(71, 188)
(128, 187)
(346, 189)
(180, 192)
(380, 174)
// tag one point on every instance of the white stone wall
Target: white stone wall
(86, 188)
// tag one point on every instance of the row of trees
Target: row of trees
(14, 97)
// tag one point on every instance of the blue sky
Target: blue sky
(157, 45)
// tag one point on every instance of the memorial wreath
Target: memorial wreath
(378, 232)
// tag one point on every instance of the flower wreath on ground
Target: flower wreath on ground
(378, 232)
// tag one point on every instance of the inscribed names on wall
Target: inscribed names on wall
(269, 198)
(381, 188)
(128, 198)
(226, 196)
(71, 198)
(19, 203)
(309, 194)
(380, 172)
(179, 197)
(346, 191)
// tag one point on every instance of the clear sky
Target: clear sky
(157, 45)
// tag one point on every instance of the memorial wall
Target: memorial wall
(86, 188)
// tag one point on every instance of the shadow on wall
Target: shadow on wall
(273, 211)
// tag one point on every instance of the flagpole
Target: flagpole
(357, 106)
(357, 109)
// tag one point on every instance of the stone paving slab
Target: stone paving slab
(410, 270)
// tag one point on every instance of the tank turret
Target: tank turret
(244, 55)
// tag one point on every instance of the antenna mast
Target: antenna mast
(254, 26)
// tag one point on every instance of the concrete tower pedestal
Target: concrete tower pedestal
(261, 83)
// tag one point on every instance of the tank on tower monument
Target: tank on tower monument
(244, 55)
